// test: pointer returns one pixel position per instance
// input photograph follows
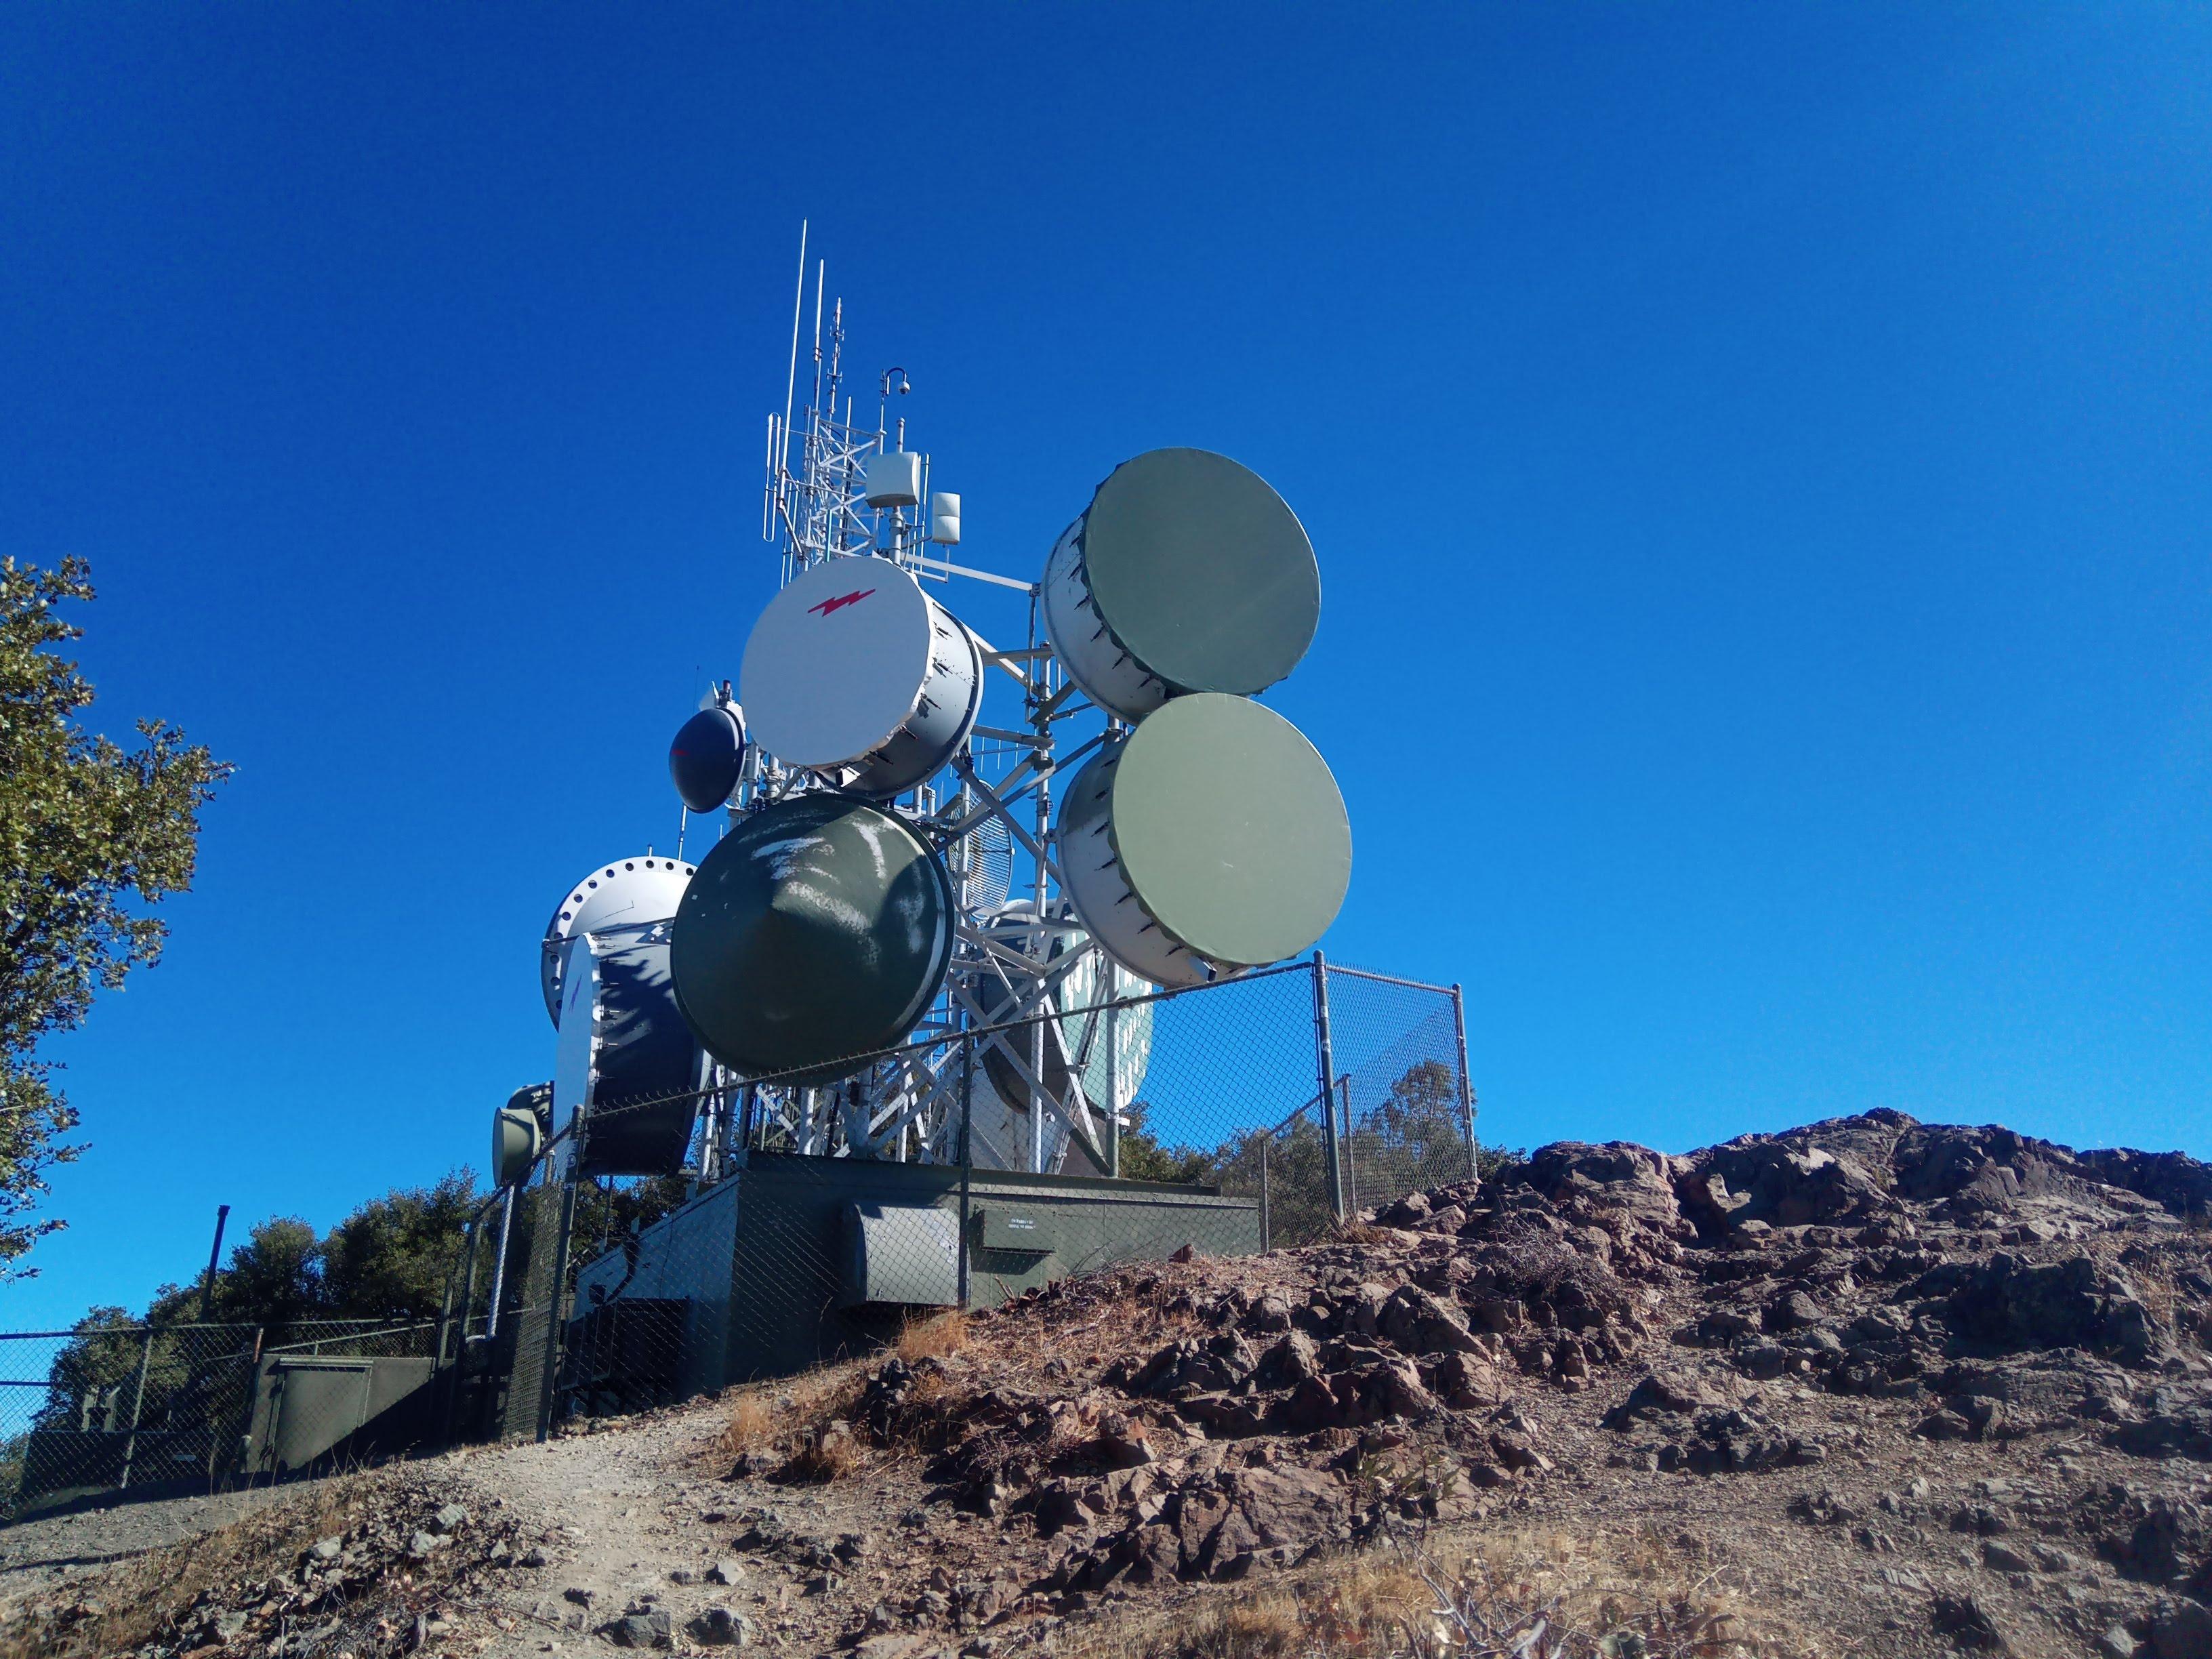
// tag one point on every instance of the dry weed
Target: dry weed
(1359, 1232)
(937, 1337)
(828, 1452)
(1356, 1609)
(786, 1417)
(1536, 1596)
(2161, 1295)
(751, 1425)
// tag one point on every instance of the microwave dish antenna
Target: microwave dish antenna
(856, 674)
(1186, 573)
(707, 757)
(1210, 839)
(818, 929)
(939, 842)
(622, 894)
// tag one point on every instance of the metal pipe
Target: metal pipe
(1113, 1078)
(1036, 1096)
(556, 1311)
(137, 1405)
(1267, 1230)
(252, 1391)
(445, 1312)
(1350, 1150)
(1465, 1083)
(215, 1255)
(468, 1280)
(1327, 1093)
(499, 1264)
(797, 304)
(1385, 978)
(967, 1102)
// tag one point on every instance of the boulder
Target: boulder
(2182, 1632)
(723, 1627)
(1419, 1322)
(2014, 1304)
(1969, 1624)
(1766, 1178)
(653, 1629)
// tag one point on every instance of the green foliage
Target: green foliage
(85, 1376)
(1145, 1158)
(1495, 1163)
(389, 1262)
(91, 835)
(390, 1259)
(275, 1279)
(608, 1211)
(1290, 1169)
(1413, 1140)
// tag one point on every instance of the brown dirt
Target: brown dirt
(1871, 1386)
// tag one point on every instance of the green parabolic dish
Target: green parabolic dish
(1229, 827)
(1203, 571)
(818, 929)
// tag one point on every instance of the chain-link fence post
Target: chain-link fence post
(137, 1405)
(556, 1311)
(244, 1410)
(1465, 1083)
(967, 1104)
(1265, 1230)
(1350, 1141)
(1113, 1084)
(1326, 1096)
(468, 1283)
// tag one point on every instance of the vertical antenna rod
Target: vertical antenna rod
(797, 304)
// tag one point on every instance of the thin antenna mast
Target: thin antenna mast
(820, 266)
(797, 304)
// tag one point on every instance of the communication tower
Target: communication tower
(891, 874)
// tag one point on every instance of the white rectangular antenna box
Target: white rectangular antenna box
(944, 518)
(894, 479)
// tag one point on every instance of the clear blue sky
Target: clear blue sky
(1759, 458)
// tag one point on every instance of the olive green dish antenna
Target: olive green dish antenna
(818, 929)
(1186, 573)
(1210, 839)
(518, 1135)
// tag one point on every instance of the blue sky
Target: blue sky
(1759, 458)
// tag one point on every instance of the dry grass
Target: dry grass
(828, 1452)
(937, 1337)
(1359, 1232)
(2170, 1307)
(1536, 1596)
(783, 1419)
(750, 1427)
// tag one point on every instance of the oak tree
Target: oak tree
(92, 835)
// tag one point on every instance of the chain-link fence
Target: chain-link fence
(962, 1169)
(812, 1218)
(119, 1405)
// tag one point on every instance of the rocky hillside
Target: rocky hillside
(1870, 1385)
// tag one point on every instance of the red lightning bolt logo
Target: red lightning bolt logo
(828, 607)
